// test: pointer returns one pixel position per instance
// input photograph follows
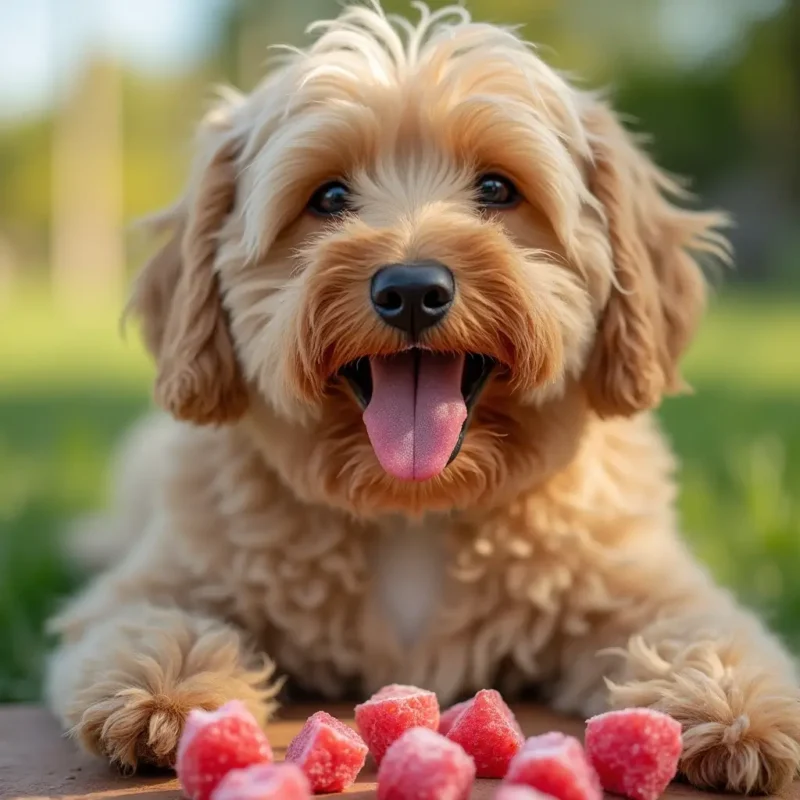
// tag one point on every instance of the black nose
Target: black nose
(413, 297)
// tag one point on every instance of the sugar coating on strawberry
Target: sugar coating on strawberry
(397, 690)
(264, 782)
(389, 713)
(634, 751)
(447, 718)
(214, 743)
(329, 752)
(424, 765)
(511, 792)
(489, 733)
(555, 764)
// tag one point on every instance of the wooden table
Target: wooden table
(37, 762)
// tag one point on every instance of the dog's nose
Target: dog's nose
(412, 297)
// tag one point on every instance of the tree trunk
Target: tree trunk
(88, 250)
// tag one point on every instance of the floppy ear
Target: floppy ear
(178, 300)
(658, 294)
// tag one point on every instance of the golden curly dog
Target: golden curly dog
(418, 299)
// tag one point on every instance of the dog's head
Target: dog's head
(422, 260)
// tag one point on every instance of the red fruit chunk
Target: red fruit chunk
(264, 782)
(329, 752)
(555, 764)
(509, 792)
(448, 717)
(424, 765)
(214, 743)
(389, 713)
(635, 751)
(488, 732)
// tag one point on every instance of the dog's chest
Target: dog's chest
(436, 604)
(408, 570)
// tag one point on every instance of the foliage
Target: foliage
(720, 120)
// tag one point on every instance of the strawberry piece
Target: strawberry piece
(389, 713)
(424, 765)
(634, 751)
(264, 782)
(329, 752)
(448, 717)
(214, 743)
(489, 733)
(555, 764)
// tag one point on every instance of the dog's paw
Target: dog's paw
(134, 727)
(125, 688)
(741, 732)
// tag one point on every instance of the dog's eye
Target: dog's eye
(330, 199)
(495, 191)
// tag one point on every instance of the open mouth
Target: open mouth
(417, 406)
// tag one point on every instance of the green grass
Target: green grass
(69, 386)
(738, 438)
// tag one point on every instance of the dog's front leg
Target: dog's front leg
(133, 662)
(697, 656)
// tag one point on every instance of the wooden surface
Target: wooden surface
(37, 762)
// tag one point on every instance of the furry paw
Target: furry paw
(742, 737)
(125, 687)
(135, 727)
(741, 731)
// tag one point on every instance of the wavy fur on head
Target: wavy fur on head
(270, 526)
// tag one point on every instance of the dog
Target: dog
(410, 319)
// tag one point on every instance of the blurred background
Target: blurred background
(98, 102)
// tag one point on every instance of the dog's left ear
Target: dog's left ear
(658, 294)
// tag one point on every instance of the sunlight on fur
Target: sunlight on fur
(475, 434)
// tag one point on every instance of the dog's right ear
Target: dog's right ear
(177, 295)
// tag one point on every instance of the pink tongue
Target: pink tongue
(415, 415)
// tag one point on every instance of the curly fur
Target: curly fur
(547, 554)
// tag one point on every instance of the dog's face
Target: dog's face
(423, 262)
